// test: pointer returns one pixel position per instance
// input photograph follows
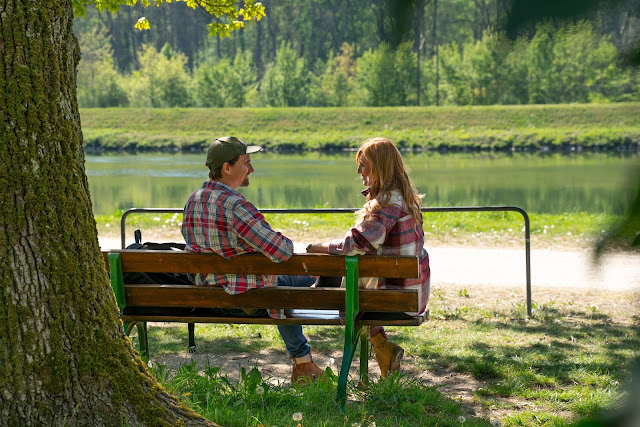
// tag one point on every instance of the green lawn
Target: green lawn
(570, 361)
(605, 126)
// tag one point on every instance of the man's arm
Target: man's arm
(249, 225)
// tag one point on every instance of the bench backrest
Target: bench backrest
(151, 261)
(146, 261)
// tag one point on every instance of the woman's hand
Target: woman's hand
(318, 248)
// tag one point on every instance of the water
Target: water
(540, 183)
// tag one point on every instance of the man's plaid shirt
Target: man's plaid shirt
(218, 219)
(391, 231)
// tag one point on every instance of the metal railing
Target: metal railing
(521, 211)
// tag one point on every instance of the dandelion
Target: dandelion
(108, 225)
(151, 363)
(260, 390)
(332, 361)
(297, 416)
(461, 419)
(156, 218)
(373, 424)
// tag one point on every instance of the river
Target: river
(541, 182)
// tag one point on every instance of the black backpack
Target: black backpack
(157, 278)
(160, 278)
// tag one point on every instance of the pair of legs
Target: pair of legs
(388, 354)
(304, 368)
(292, 335)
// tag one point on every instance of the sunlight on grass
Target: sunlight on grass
(569, 361)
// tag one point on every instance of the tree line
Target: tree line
(347, 53)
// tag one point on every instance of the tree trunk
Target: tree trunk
(64, 356)
(257, 52)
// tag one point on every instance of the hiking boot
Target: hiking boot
(387, 354)
(305, 371)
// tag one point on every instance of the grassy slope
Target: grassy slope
(604, 125)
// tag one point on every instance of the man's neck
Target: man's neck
(223, 181)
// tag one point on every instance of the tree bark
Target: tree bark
(64, 356)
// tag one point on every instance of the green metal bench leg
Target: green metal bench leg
(364, 355)
(143, 339)
(128, 327)
(117, 284)
(351, 332)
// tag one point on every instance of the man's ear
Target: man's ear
(226, 168)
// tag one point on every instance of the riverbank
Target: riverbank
(568, 127)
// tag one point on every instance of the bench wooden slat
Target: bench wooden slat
(139, 295)
(294, 317)
(313, 264)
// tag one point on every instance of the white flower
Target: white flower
(297, 416)
(260, 390)
(495, 423)
(156, 218)
(108, 225)
(461, 419)
(151, 363)
(332, 361)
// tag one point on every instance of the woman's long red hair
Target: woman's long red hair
(388, 173)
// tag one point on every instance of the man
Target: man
(218, 219)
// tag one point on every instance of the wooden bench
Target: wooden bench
(303, 306)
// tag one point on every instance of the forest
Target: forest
(349, 53)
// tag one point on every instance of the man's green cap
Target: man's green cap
(225, 149)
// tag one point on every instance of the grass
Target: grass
(589, 126)
(475, 228)
(254, 402)
(570, 361)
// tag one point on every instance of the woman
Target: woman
(390, 223)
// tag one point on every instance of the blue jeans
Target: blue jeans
(292, 335)
(294, 339)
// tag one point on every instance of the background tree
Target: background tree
(64, 356)
(98, 81)
(285, 83)
(495, 70)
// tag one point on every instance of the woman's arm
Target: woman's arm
(318, 248)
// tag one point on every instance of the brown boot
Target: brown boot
(387, 353)
(305, 371)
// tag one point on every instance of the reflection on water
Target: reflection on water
(551, 183)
